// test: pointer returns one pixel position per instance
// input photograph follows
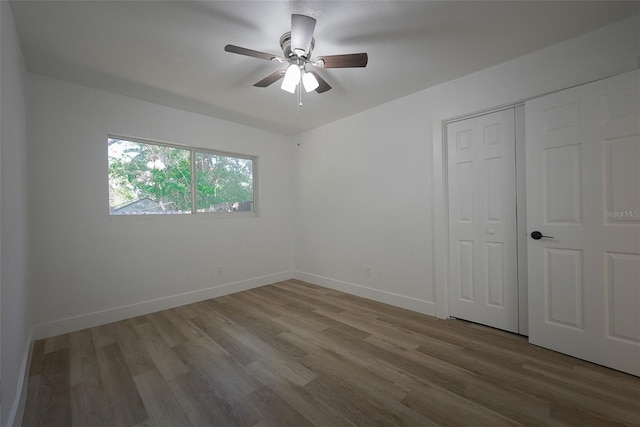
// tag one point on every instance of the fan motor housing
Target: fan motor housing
(285, 44)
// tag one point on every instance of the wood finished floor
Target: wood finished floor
(293, 354)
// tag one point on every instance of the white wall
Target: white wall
(15, 298)
(369, 188)
(362, 199)
(89, 268)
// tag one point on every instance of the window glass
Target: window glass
(148, 178)
(223, 183)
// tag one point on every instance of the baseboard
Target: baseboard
(17, 408)
(89, 320)
(402, 301)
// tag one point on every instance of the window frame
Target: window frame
(193, 185)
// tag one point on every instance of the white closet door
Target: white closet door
(482, 220)
(583, 189)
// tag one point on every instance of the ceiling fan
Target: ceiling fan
(297, 46)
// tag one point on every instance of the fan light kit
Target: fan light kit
(297, 46)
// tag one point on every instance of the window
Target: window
(151, 178)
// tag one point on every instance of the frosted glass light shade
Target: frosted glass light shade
(291, 78)
(310, 82)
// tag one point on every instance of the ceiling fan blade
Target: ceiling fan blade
(249, 52)
(270, 79)
(343, 61)
(323, 85)
(302, 27)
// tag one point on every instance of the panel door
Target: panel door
(482, 220)
(583, 189)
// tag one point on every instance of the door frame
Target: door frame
(441, 211)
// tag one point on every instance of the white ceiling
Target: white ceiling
(171, 52)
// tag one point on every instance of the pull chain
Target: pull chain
(298, 99)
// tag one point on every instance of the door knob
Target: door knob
(536, 235)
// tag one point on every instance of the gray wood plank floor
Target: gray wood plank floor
(294, 354)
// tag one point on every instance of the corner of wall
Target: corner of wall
(17, 409)
(15, 296)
